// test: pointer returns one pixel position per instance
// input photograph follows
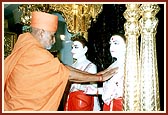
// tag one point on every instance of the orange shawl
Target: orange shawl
(34, 79)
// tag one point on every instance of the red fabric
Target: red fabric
(34, 79)
(117, 105)
(79, 101)
(106, 107)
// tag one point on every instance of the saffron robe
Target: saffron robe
(34, 79)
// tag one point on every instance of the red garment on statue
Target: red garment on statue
(79, 101)
(117, 105)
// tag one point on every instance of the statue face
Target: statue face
(117, 46)
(78, 50)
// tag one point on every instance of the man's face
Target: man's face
(117, 46)
(77, 50)
(48, 39)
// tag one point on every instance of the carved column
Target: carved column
(150, 100)
(131, 80)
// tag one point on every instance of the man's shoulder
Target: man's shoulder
(39, 52)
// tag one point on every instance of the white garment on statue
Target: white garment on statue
(91, 69)
(113, 88)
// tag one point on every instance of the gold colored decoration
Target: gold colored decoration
(150, 100)
(9, 41)
(131, 80)
(77, 16)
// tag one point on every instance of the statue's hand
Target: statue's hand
(92, 90)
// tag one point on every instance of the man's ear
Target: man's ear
(41, 33)
(85, 49)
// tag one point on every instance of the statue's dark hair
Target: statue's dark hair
(81, 39)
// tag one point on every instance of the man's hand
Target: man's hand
(108, 73)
